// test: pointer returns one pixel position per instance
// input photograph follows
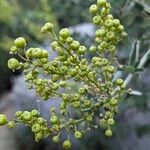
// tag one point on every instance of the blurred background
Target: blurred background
(25, 18)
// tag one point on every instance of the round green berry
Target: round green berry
(39, 136)
(20, 42)
(92, 48)
(54, 120)
(101, 3)
(3, 119)
(44, 53)
(119, 82)
(36, 53)
(110, 121)
(13, 50)
(64, 33)
(113, 102)
(34, 112)
(27, 116)
(75, 45)
(78, 135)
(96, 20)
(108, 133)
(116, 22)
(69, 40)
(18, 114)
(111, 69)
(109, 23)
(11, 124)
(55, 139)
(89, 118)
(49, 26)
(87, 103)
(36, 128)
(67, 144)
(93, 9)
(82, 50)
(82, 91)
(13, 64)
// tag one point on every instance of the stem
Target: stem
(141, 64)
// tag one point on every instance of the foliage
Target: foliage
(18, 18)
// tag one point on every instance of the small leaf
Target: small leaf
(137, 93)
(128, 69)
(139, 69)
(132, 54)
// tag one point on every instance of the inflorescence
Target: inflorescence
(96, 101)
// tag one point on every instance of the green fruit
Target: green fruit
(92, 49)
(116, 22)
(49, 26)
(78, 135)
(101, 3)
(44, 53)
(40, 120)
(89, 118)
(69, 40)
(110, 121)
(87, 103)
(82, 91)
(34, 113)
(20, 42)
(27, 116)
(54, 45)
(64, 33)
(3, 119)
(120, 28)
(55, 139)
(13, 64)
(113, 102)
(119, 82)
(111, 69)
(36, 128)
(18, 114)
(13, 50)
(11, 124)
(39, 136)
(109, 23)
(82, 50)
(108, 133)
(93, 9)
(76, 104)
(37, 53)
(97, 20)
(62, 83)
(54, 120)
(67, 144)
(75, 45)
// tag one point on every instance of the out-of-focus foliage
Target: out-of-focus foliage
(135, 16)
(71, 12)
(20, 18)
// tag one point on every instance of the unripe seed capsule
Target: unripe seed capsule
(3, 119)
(108, 133)
(20, 42)
(93, 9)
(64, 33)
(13, 64)
(78, 135)
(67, 144)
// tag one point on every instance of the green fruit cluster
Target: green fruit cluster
(97, 92)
